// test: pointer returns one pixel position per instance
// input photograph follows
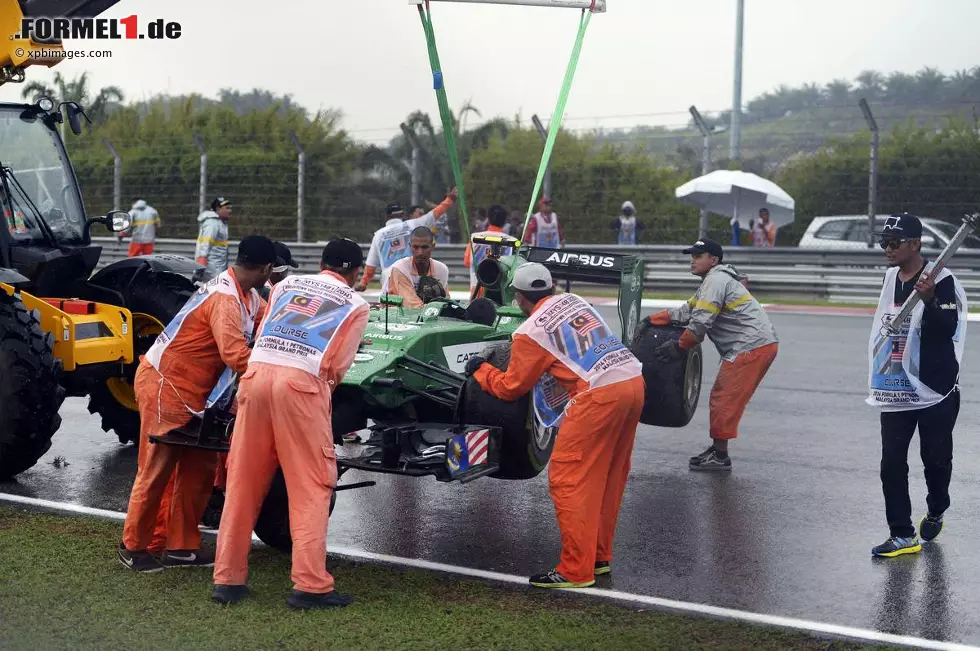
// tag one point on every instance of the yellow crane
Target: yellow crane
(64, 330)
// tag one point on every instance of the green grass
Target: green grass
(62, 588)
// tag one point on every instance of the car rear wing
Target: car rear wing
(625, 271)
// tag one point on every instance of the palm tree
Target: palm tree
(436, 174)
(838, 92)
(964, 84)
(930, 85)
(901, 87)
(76, 90)
(871, 84)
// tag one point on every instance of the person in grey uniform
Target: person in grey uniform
(143, 223)
(212, 238)
(722, 310)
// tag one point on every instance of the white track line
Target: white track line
(611, 595)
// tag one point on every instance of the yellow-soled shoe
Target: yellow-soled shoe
(895, 546)
(554, 579)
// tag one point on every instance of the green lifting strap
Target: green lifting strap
(555, 125)
(444, 113)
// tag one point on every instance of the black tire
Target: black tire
(526, 446)
(30, 395)
(673, 389)
(272, 526)
(159, 296)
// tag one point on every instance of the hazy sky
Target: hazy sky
(645, 59)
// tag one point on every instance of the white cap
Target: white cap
(532, 277)
(139, 205)
(628, 203)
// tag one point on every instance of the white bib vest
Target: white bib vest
(223, 283)
(547, 235)
(571, 330)
(304, 315)
(437, 270)
(893, 372)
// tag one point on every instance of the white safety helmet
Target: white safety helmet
(628, 204)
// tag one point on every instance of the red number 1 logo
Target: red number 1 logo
(130, 23)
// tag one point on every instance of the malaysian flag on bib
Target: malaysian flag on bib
(305, 305)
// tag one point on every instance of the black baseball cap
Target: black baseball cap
(705, 246)
(394, 209)
(342, 253)
(901, 225)
(256, 249)
(219, 202)
(284, 257)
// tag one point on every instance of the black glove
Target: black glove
(472, 364)
(669, 351)
(429, 289)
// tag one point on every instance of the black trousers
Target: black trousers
(936, 448)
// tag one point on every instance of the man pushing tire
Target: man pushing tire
(723, 310)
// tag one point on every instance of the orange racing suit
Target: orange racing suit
(173, 380)
(305, 345)
(566, 338)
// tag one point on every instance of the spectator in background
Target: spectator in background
(143, 224)
(626, 225)
(545, 230)
(481, 221)
(476, 253)
(212, 238)
(392, 243)
(764, 231)
(515, 226)
(736, 232)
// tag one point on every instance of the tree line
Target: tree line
(925, 168)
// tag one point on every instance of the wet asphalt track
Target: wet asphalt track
(788, 532)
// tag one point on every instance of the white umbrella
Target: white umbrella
(740, 195)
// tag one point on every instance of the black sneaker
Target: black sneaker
(896, 546)
(711, 460)
(138, 561)
(187, 558)
(307, 600)
(555, 579)
(704, 455)
(602, 567)
(229, 594)
(930, 527)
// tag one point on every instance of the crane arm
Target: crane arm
(15, 52)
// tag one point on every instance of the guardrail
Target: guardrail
(845, 276)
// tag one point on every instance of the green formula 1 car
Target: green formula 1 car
(405, 407)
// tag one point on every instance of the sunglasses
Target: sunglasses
(893, 244)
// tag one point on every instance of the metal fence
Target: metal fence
(839, 276)
(292, 188)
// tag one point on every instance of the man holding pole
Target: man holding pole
(913, 377)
